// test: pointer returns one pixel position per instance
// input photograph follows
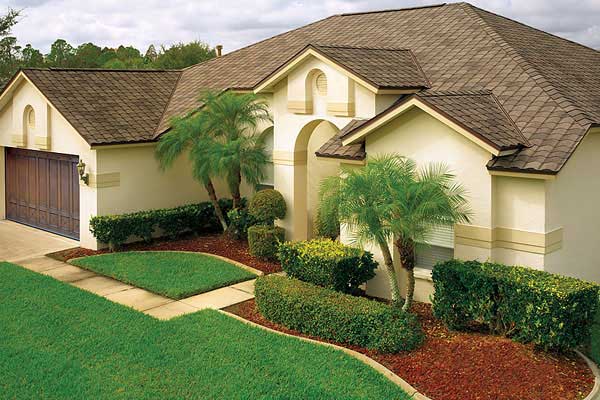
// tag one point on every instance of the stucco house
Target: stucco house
(513, 111)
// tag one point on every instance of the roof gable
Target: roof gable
(375, 68)
(107, 106)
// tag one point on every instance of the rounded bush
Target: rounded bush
(264, 241)
(267, 206)
(327, 263)
(332, 315)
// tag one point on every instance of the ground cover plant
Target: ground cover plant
(65, 343)
(173, 274)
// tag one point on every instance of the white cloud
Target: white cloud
(239, 23)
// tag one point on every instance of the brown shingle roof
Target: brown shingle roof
(479, 112)
(333, 148)
(384, 68)
(107, 106)
(549, 86)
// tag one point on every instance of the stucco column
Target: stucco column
(290, 174)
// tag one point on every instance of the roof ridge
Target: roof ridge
(162, 115)
(341, 46)
(470, 10)
(392, 10)
(97, 69)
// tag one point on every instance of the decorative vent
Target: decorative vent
(321, 83)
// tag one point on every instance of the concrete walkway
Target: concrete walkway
(139, 299)
(18, 242)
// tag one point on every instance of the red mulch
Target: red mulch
(472, 366)
(215, 244)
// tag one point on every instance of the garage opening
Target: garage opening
(42, 190)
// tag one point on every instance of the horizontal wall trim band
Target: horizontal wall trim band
(112, 179)
(487, 238)
(42, 142)
(341, 109)
(300, 106)
(283, 157)
(18, 140)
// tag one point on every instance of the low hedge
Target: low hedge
(595, 340)
(115, 230)
(336, 316)
(263, 241)
(327, 263)
(528, 305)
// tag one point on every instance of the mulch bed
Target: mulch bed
(471, 366)
(215, 244)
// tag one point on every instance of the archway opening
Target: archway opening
(310, 173)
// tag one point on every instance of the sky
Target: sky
(239, 23)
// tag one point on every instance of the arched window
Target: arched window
(30, 117)
(316, 91)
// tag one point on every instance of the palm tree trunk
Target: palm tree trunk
(235, 191)
(212, 194)
(406, 249)
(391, 273)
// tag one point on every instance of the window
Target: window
(267, 182)
(321, 84)
(439, 247)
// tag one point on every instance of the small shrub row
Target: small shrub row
(115, 230)
(263, 241)
(528, 305)
(332, 315)
(327, 263)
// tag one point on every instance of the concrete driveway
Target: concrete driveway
(19, 242)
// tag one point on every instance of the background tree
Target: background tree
(187, 135)
(32, 58)
(237, 151)
(61, 54)
(9, 50)
(182, 55)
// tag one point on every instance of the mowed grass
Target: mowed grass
(60, 342)
(173, 274)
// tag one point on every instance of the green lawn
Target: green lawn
(172, 274)
(59, 342)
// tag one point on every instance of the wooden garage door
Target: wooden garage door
(42, 190)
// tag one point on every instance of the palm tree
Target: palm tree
(360, 198)
(390, 199)
(232, 119)
(187, 134)
(422, 200)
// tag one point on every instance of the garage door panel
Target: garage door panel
(42, 190)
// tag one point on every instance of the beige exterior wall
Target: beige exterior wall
(573, 201)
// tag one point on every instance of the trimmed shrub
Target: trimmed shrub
(263, 241)
(326, 263)
(267, 206)
(595, 340)
(331, 315)
(115, 230)
(528, 305)
(239, 222)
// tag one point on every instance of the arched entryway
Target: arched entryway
(309, 171)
